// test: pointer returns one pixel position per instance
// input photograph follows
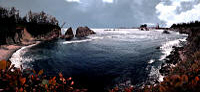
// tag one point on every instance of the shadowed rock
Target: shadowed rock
(83, 31)
(166, 32)
(69, 34)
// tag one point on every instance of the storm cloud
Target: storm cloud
(98, 13)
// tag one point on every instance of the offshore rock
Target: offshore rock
(84, 31)
(69, 34)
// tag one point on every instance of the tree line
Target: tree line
(186, 25)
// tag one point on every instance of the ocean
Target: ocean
(120, 57)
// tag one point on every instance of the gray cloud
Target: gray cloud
(95, 13)
(177, 11)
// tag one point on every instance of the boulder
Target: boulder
(69, 34)
(83, 31)
(166, 32)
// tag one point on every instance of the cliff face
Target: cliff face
(54, 34)
(22, 36)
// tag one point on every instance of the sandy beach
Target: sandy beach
(6, 51)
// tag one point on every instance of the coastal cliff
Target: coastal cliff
(23, 36)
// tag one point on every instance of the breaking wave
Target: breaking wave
(17, 58)
(167, 47)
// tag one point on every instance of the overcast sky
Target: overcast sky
(112, 13)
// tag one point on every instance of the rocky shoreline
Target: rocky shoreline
(182, 67)
(182, 54)
(171, 61)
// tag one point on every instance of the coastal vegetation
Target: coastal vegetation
(186, 25)
(16, 80)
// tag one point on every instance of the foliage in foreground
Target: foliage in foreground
(14, 80)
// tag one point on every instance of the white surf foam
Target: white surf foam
(151, 61)
(166, 49)
(155, 74)
(77, 41)
(17, 58)
(85, 40)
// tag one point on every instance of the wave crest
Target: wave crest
(85, 40)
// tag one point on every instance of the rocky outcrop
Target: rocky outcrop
(170, 60)
(54, 34)
(83, 31)
(69, 34)
(22, 35)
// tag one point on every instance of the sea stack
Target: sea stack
(84, 31)
(69, 34)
